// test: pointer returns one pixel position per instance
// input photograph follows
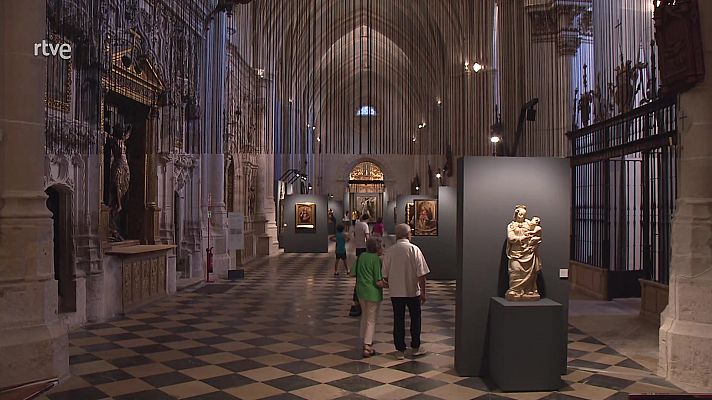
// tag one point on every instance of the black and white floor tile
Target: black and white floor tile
(283, 333)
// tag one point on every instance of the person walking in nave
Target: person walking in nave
(369, 289)
(340, 250)
(404, 270)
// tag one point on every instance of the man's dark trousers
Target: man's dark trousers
(399, 305)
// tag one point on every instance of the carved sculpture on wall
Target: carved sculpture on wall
(627, 86)
(120, 174)
(523, 239)
(677, 32)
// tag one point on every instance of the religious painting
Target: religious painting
(426, 218)
(305, 215)
(366, 205)
(409, 213)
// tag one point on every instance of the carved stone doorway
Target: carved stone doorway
(120, 110)
(59, 203)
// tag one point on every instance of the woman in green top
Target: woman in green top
(369, 288)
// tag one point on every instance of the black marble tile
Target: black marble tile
(414, 367)
(477, 383)
(628, 363)
(253, 352)
(306, 353)
(576, 353)
(185, 363)
(419, 384)
(80, 334)
(608, 382)
(131, 361)
(587, 364)
(151, 348)
(82, 358)
(113, 375)
(355, 383)
(356, 367)
(608, 350)
(284, 396)
(168, 338)
(89, 393)
(182, 329)
(290, 383)
(228, 381)
(215, 340)
(138, 328)
(146, 395)
(308, 342)
(101, 347)
(297, 367)
(589, 339)
(212, 396)
(201, 351)
(261, 341)
(560, 396)
(167, 379)
(242, 365)
(121, 336)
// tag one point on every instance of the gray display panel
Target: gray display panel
(305, 240)
(488, 190)
(440, 251)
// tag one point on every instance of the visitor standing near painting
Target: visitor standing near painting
(369, 289)
(404, 270)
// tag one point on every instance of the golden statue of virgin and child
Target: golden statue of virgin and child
(523, 239)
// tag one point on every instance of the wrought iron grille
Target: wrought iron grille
(624, 173)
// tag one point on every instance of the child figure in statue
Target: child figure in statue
(523, 239)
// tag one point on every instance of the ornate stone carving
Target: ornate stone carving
(68, 136)
(564, 21)
(183, 165)
(677, 32)
(523, 239)
(58, 168)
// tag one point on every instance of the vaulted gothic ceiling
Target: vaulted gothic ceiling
(330, 57)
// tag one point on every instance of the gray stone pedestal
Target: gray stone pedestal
(525, 345)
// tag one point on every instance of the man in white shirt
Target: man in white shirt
(404, 268)
(361, 234)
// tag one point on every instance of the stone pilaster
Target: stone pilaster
(266, 225)
(556, 28)
(213, 158)
(686, 324)
(34, 343)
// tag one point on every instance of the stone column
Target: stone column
(265, 223)
(685, 356)
(33, 343)
(555, 38)
(213, 159)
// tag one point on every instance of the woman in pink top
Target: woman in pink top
(378, 228)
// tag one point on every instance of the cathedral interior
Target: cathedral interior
(174, 175)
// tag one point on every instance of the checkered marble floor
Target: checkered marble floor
(283, 333)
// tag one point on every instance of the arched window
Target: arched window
(366, 111)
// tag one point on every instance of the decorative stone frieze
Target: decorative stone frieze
(565, 22)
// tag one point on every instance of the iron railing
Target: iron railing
(624, 179)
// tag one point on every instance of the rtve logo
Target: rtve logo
(63, 50)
